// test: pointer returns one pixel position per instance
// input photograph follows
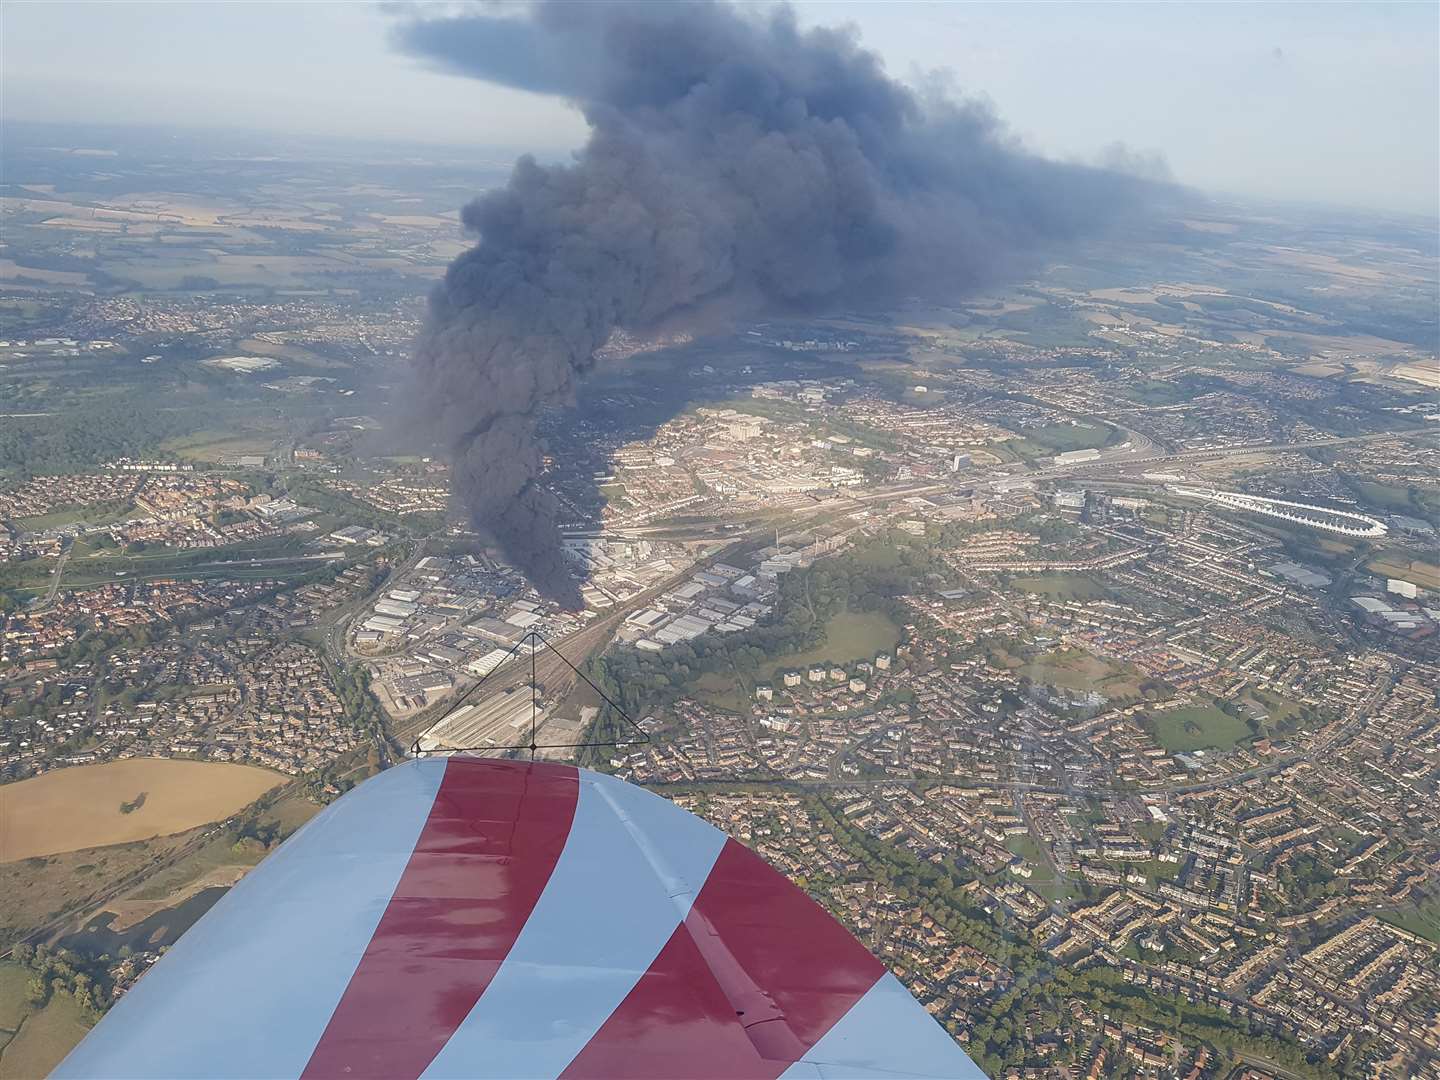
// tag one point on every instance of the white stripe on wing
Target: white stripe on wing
(885, 1033)
(250, 987)
(628, 874)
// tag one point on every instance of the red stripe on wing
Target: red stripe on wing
(493, 838)
(752, 979)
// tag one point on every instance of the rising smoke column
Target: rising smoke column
(736, 165)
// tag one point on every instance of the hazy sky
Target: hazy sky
(1326, 103)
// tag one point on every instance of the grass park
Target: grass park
(1198, 727)
(1060, 586)
(1024, 845)
(1283, 713)
(210, 446)
(1075, 669)
(849, 636)
(1421, 918)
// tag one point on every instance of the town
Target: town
(1077, 645)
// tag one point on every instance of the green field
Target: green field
(849, 636)
(100, 514)
(14, 1002)
(1284, 714)
(1025, 846)
(1060, 586)
(722, 691)
(1198, 727)
(1394, 499)
(1153, 392)
(211, 446)
(43, 1039)
(1422, 573)
(1059, 438)
(1060, 890)
(882, 556)
(1075, 669)
(1045, 442)
(31, 574)
(1421, 918)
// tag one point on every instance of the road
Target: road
(57, 573)
(761, 521)
(335, 630)
(1315, 753)
(1130, 458)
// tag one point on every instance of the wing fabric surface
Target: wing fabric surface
(471, 918)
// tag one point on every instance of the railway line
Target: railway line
(551, 668)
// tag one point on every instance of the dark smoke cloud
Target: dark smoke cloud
(736, 164)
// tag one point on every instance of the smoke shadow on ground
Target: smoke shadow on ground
(628, 402)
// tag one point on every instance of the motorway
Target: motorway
(1135, 457)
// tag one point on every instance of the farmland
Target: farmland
(82, 807)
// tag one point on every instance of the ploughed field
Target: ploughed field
(119, 801)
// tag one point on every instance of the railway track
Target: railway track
(552, 671)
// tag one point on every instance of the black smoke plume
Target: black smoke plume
(736, 164)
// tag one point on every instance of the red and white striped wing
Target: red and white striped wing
(471, 918)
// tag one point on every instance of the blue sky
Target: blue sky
(1336, 103)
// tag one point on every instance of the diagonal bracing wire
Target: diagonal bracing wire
(538, 642)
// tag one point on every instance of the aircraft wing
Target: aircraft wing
(463, 917)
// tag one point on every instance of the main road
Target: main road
(56, 573)
(1130, 457)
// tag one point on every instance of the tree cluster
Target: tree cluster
(86, 979)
